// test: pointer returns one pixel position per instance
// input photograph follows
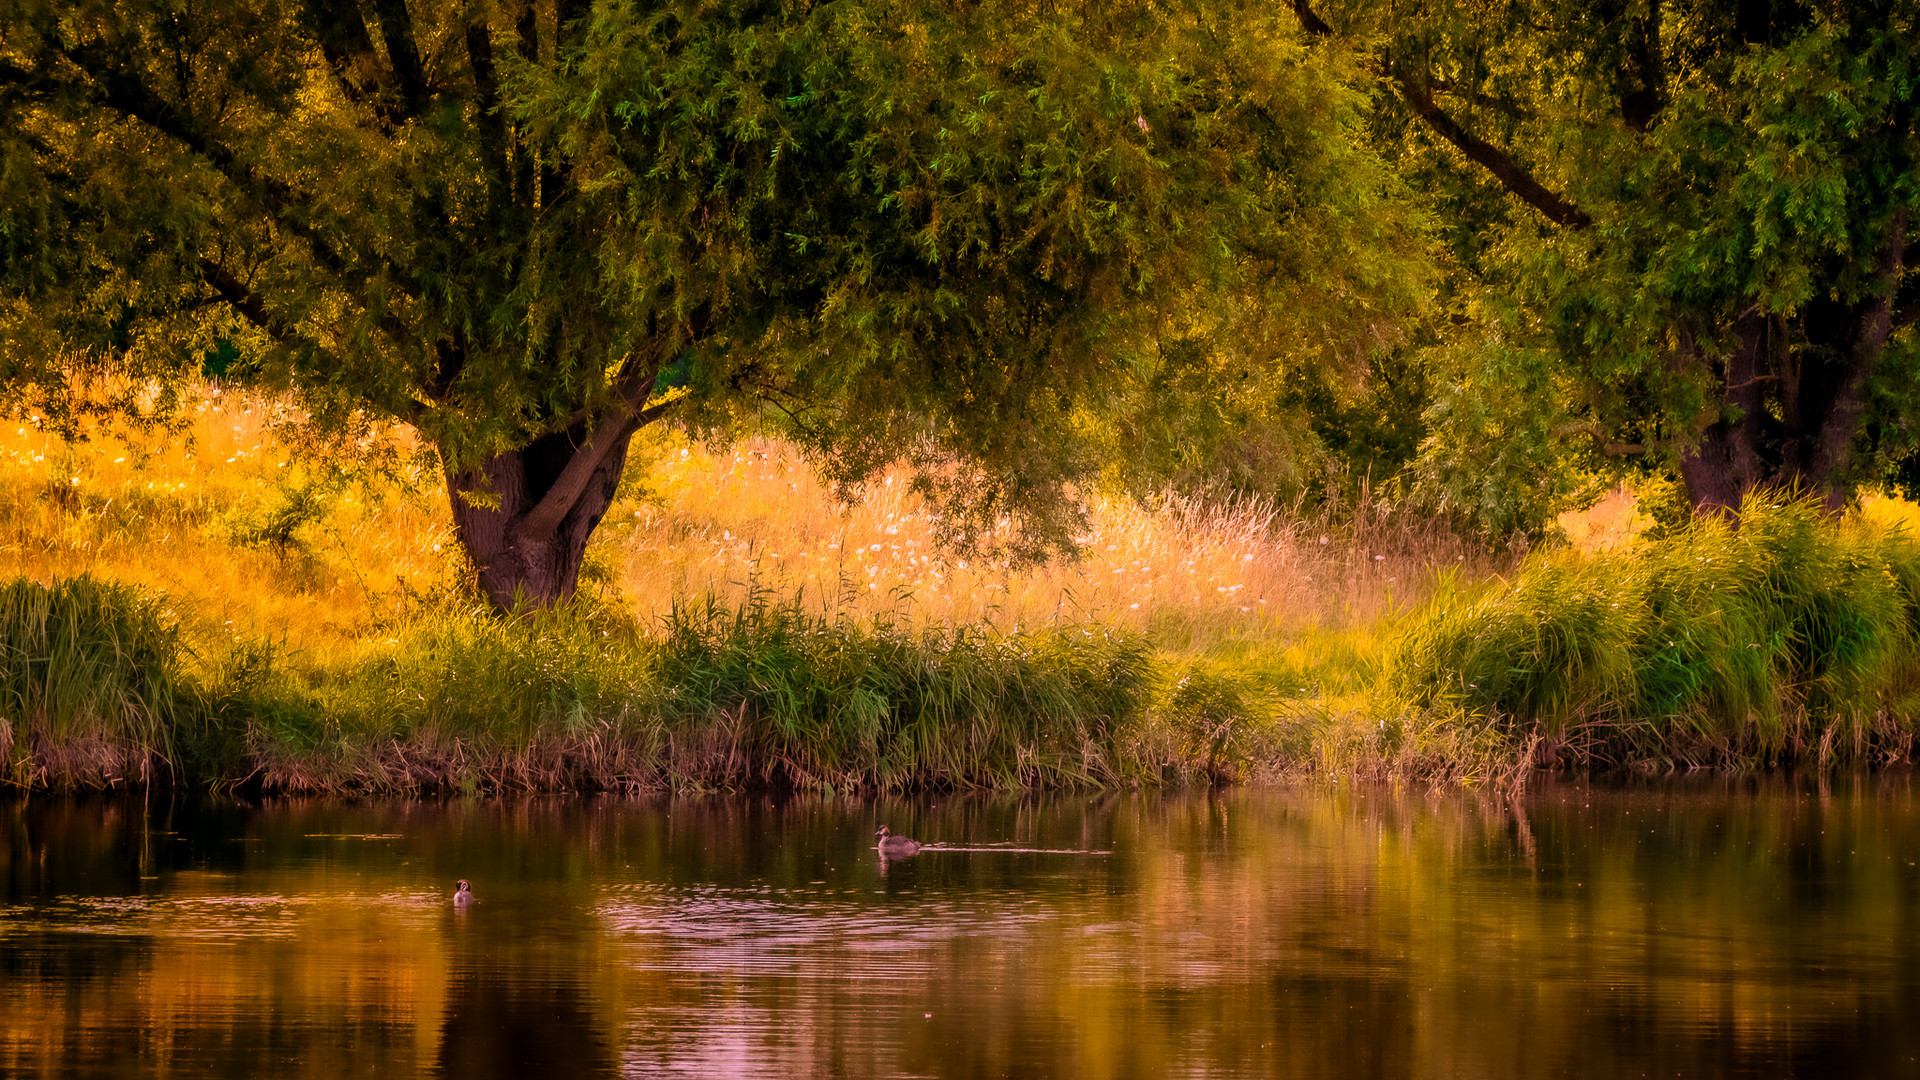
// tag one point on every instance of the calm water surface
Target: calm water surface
(1720, 928)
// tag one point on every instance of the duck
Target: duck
(463, 895)
(895, 847)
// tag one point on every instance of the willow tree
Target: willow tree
(1701, 212)
(913, 231)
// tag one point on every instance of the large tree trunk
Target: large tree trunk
(1795, 395)
(1729, 462)
(547, 498)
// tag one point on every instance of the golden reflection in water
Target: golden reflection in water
(1710, 928)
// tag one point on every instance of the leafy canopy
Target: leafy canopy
(917, 231)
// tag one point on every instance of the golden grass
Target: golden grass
(1614, 522)
(1197, 575)
(1295, 608)
(165, 513)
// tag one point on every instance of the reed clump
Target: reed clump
(1780, 637)
(582, 697)
(840, 701)
(89, 682)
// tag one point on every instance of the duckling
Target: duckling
(895, 847)
(463, 895)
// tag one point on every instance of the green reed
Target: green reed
(89, 677)
(767, 693)
(843, 701)
(1778, 637)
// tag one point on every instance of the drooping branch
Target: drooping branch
(1505, 105)
(1504, 169)
(248, 305)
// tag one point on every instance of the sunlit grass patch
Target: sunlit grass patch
(226, 517)
(1194, 573)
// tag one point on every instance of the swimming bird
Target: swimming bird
(463, 895)
(895, 847)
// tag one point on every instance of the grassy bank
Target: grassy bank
(213, 609)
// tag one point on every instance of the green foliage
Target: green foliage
(1757, 637)
(1223, 728)
(1492, 458)
(942, 234)
(580, 697)
(294, 503)
(89, 680)
(503, 681)
(1226, 424)
(1701, 212)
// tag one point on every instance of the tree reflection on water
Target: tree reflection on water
(1754, 928)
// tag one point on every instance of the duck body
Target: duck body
(895, 847)
(463, 895)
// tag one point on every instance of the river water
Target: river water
(1701, 928)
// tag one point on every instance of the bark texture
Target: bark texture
(528, 548)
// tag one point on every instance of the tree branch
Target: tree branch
(283, 204)
(1504, 169)
(348, 49)
(615, 423)
(396, 30)
(486, 81)
(1310, 22)
(125, 94)
(627, 414)
(1640, 105)
(247, 303)
(527, 29)
(1600, 443)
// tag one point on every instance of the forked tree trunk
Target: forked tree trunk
(548, 497)
(1792, 410)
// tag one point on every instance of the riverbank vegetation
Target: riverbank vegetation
(739, 626)
(223, 614)
(880, 393)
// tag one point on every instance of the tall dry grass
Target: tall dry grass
(226, 520)
(255, 540)
(1194, 573)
